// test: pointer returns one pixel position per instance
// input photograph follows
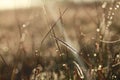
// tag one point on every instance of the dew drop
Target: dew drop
(117, 6)
(95, 54)
(110, 8)
(104, 4)
(23, 25)
(98, 30)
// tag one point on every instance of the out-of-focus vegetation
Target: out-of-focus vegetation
(56, 41)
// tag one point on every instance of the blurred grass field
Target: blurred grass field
(22, 31)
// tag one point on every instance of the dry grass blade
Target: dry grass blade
(52, 28)
(3, 60)
(74, 51)
(53, 32)
(78, 58)
(110, 42)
